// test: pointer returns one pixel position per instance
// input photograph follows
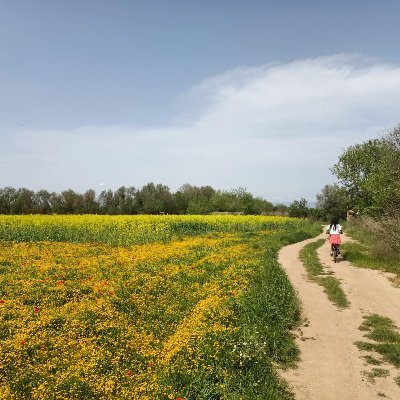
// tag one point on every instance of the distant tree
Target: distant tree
(299, 208)
(262, 206)
(224, 201)
(194, 200)
(119, 200)
(7, 196)
(71, 202)
(127, 202)
(392, 138)
(56, 202)
(280, 209)
(108, 203)
(23, 202)
(42, 202)
(332, 201)
(155, 199)
(90, 203)
(181, 202)
(150, 199)
(243, 201)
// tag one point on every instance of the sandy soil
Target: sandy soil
(331, 366)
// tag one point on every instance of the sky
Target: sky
(262, 95)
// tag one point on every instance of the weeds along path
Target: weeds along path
(331, 366)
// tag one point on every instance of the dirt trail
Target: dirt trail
(331, 365)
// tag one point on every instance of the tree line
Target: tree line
(369, 180)
(149, 199)
(369, 184)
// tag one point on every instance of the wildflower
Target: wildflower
(36, 310)
(129, 373)
(2, 301)
(23, 342)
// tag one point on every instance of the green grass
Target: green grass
(376, 373)
(372, 360)
(268, 313)
(359, 255)
(369, 252)
(308, 255)
(384, 336)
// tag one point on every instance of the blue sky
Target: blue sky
(257, 94)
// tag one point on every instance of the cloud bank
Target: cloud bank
(274, 129)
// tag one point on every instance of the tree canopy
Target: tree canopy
(150, 199)
(332, 202)
(370, 172)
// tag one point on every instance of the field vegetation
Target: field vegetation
(155, 307)
(384, 343)
(376, 244)
(315, 271)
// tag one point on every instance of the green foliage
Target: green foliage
(372, 360)
(280, 209)
(385, 336)
(377, 243)
(333, 202)
(299, 209)
(150, 199)
(370, 171)
(376, 373)
(308, 255)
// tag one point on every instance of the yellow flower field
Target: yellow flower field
(100, 321)
(122, 229)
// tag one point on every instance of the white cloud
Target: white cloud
(274, 129)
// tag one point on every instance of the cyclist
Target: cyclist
(334, 230)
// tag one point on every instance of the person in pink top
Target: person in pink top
(334, 230)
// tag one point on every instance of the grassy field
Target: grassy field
(163, 307)
(384, 342)
(370, 250)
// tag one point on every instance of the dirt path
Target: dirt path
(331, 365)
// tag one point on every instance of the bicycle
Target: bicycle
(335, 252)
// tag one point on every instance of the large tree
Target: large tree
(371, 173)
(332, 201)
(299, 208)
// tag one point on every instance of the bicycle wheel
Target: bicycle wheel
(335, 254)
